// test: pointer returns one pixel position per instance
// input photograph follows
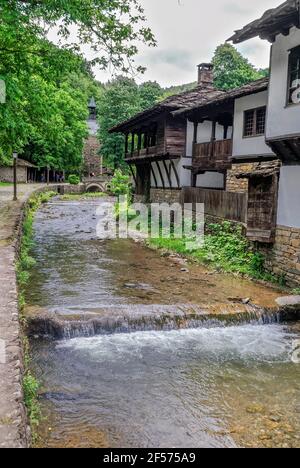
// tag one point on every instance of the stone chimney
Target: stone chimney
(205, 75)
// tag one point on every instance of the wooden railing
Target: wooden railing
(151, 151)
(218, 203)
(213, 155)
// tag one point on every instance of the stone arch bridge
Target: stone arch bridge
(95, 184)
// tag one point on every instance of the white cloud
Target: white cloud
(188, 32)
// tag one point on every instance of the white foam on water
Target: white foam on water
(249, 342)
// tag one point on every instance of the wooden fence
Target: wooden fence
(227, 205)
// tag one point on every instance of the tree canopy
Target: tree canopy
(231, 69)
(48, 86)
(122, 98)
(112, 28)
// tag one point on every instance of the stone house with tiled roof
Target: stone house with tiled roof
(156, 142)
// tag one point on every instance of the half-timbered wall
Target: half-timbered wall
(283, 120)
(163, 173)
(249, 146)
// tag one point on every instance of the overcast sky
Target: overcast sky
(188, 31)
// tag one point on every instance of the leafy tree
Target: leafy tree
(264, 72)
(172, 90)
(48, 87)
(44, 117)
(150, 92)
(231, 69)
(120, 184)
(111, 27)
(122, 98)
(58, 125)
(119, 101)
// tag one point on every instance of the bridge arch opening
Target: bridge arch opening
(93, 188)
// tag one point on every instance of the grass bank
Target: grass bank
(24, 263)
(225, 249)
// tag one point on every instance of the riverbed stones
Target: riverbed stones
(288, 301)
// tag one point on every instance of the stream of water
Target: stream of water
(206, 387)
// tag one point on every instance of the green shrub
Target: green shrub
(226, 249)
(124, 209)
(24, 264)
(30, 388)
(120, 184)
(73, 179)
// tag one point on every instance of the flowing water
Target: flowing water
(206, 387)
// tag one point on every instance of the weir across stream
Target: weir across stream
(133, 350)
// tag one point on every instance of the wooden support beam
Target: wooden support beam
(139, 142)
(195, 132)
(225, 132)
(194, 179)
(154, 176)
(145, 140)
(168, 173)
(213, 137)
(132, 143)
(213, 130)
(160, 174)
(133, 174)
(126, 143)
(172, 165)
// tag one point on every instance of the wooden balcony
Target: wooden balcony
(144, 153)
(213, 156)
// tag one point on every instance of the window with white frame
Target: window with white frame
(255, 122)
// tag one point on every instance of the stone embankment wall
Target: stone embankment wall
(165, 195)
(283, 258)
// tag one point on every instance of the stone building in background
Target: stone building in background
(26, 172)
(93, 161)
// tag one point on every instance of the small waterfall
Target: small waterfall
(118, 321)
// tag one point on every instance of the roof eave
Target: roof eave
(272, 23)
(227, 98)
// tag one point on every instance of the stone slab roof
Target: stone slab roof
(224, 97)
(23, 163)
(183, 100)
(273, 22)
(264, 169)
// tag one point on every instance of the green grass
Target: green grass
(5, 184)
(24, 264)
(225, 249)
(31, 388)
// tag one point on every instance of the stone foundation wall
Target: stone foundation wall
(7, 174)
(165, 195)
(238, 185)
(139, 199)
(283, 258)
